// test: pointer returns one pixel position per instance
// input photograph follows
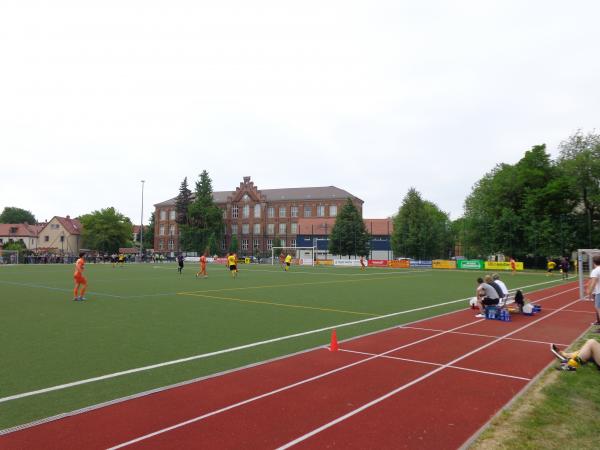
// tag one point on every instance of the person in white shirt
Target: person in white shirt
(500, 283)
(593, 287)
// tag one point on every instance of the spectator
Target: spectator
(486, 296)
(489, 280)
(500, 283)
(590, 351)
(593, 287)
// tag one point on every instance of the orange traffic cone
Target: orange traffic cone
(333, 347)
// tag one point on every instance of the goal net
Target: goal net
(584, 266)
(300, 255)
(9, 256)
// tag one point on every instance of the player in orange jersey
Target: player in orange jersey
(513, 265)
(202, 266)
(79, 279)
(363, 264)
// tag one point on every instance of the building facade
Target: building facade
(257, 217)
(19, 232)
(60, 235)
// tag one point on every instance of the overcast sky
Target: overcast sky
(371, 96)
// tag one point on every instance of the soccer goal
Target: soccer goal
(584, 266)
(301, 255)
(9, 256)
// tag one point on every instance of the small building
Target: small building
(19, 232)
(315, 233)
(61, 235)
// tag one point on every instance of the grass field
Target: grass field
(142, 315)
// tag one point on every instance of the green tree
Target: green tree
(213, 247)
(580, 159)
(106, 230)
(421, 229)
(204, 217)
(149, 233)
(12, 214)
(349, 235)
(182, 203)
(277, 243)
(233, 245)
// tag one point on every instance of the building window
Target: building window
(270, 212)
(294, 228)
(245, 228)
(171, 244)
(224, 213)
(256, 243)
(271, 228)
(172, 215)
(234, 228)
(282, 228)
(246, 211)
(234, 212)
(171, 230)
(161, 245)
(282, 242)
(333, 210)
(293, 243)
(257, 211)
(244, 244)
(307, 211)
(54, 226)
(223, 244)
(256, 228)
(294, 211)
(161, 230)
(163, 214)
(269, 244)
(62, 239)
(320, 211)
(282, 211)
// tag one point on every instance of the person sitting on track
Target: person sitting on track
(500, 283)
(590, 351)
(486, 296)
(489, 280)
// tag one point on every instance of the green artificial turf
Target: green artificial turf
(137, 316)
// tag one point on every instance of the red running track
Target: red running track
(430, 384)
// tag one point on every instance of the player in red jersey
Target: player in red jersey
(202, 266)
(80, 280)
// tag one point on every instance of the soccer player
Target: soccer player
(564, 268)
(288, 262)
(121, 260)
(282, 260)
(80, 280)
(363, 265)
(513, 265)
(202, 266)
(180, 264)
(550, 266)
(232, 263)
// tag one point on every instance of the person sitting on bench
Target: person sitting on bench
(486, 296)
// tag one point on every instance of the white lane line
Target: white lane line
(284, 388)
(244, 402)
(532, 341)
(227, 350)
(412, 383)
(429, 363)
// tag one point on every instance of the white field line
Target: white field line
(572, 310)
(415, 381)
(429, 363)
(284, 388)
(308, 380)
(227, 350)
(489, 335)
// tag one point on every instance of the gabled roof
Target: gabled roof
(22, 230)
(286, 194)
(73, 226)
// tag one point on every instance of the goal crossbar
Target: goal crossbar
(307, 259)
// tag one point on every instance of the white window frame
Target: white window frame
(269, 244)
(234, 212)
(293, 228)
(256, 228)
(308, 211)
(282, 229)
(333, 210)
(161, 230)
(246, 211)
(320, 210)
(245, 228)
(163, 214)
(294, 211)
(234, 229)
(271, 212)
(271, 229)
(245, 244)
(172, 215)
(257, 211)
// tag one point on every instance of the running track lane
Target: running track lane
(441, 411)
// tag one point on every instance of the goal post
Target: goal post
(9, 257)
(303, 255)
(584, 265)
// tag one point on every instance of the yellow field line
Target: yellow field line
(291, 284)
(284, 305)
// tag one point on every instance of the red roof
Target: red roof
(322, 226)
(73, 226)
(18, 230)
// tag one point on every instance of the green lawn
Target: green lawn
(142, 315)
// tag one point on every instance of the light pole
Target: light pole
(142, 225)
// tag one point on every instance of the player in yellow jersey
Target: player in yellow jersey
(121, 259)
(550, 265)
(232, 263)
(288, 262)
